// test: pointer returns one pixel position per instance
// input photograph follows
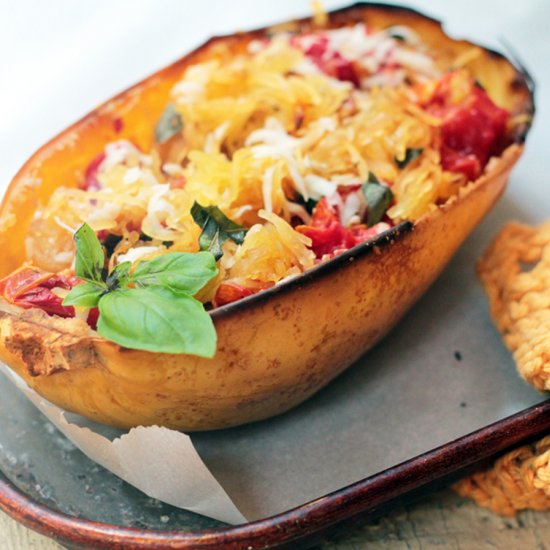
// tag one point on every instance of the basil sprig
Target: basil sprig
(150, 308)
(170, 124)
(378, 197)
(217, 228)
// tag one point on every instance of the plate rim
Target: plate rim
(302, 522)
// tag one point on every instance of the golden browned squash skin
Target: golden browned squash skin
(276, 348)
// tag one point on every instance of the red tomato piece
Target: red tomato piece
(471, 131)
(326, 240)
(326, 232)
(474, 130)
(44, 299)
(118, 124)
(29, 287)
(331, 62)
(329, 237)
(91, 183)
(230, 292)
(93, 316)
(37, 292)
(363, 233)
(60, 280)
(324, 214)
(21, 281)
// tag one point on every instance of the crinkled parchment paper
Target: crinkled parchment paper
(160, 462)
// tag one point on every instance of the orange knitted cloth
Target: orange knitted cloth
(515, 272)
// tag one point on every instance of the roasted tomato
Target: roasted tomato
(30, 287)
(473, 127)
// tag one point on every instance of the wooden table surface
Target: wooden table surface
(442, 521)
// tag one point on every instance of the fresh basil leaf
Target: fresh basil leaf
(371, 178)
(178, 271)
(90, 258)
(85, 295)
(410, 155)
(378, 197)
(156, 319)
(118, 278)
(169, 124)
(310, 205)
(216, 229)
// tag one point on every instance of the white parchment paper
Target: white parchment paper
(160, 462)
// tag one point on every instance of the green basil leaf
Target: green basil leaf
(179, 271)
(169, 124)
(310, 205)
(85, 295)
(378, 197)
(156, 319)
(118, 278)
(216, 229)
(371, 178)
(90, 258)
(410, 155)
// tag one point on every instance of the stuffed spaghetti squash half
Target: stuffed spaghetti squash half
(215, 244)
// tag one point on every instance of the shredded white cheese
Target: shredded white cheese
(267, 188)
(61, 223)
(134, 254)
(63, 257)
(318, 187)
(172, 169)
(416, 61)
(99, 215)
(194, 81)
(213, 139)
(241, 210)
(118, 152)
(158, 203)
(299, 211)
(353, 207)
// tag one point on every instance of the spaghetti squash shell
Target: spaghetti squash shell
(278, 347)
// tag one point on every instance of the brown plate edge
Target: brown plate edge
(304, 523)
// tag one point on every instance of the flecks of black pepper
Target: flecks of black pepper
(458, 356)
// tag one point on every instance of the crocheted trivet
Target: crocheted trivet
(515, 272)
